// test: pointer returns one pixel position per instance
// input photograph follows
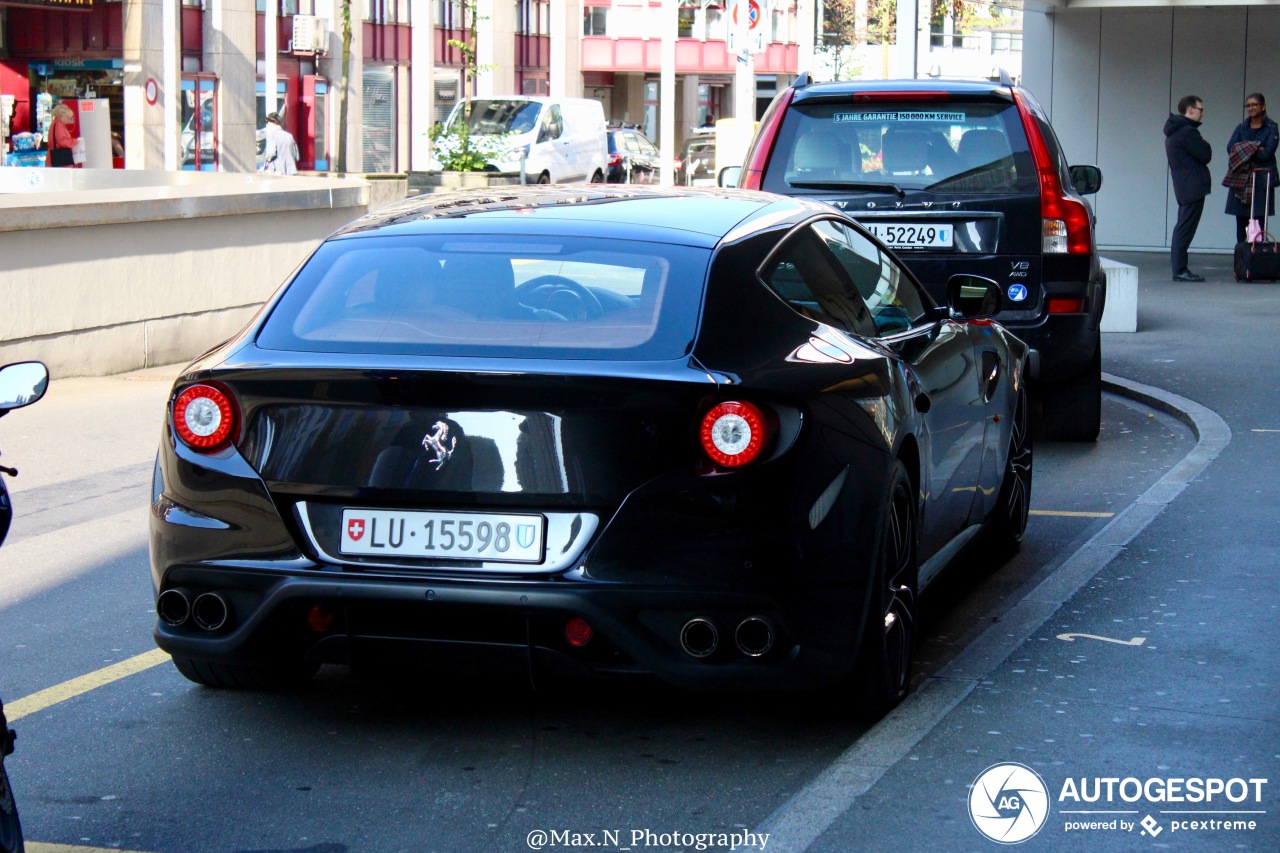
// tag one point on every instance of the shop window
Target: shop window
(199, 138)
(320, 126)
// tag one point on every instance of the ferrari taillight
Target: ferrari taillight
(733, 433)
(204, 417)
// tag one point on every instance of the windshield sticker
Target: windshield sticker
(840, 118)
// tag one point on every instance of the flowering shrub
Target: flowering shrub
(457, 150)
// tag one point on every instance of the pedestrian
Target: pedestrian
(281, 154)
(1252, 147)
(60, 139)
(1189, 155)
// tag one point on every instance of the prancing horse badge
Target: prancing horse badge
(440, 443)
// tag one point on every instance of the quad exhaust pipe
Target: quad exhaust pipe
(699, 637)
(754, 636)
(174, 606)
(209, 610)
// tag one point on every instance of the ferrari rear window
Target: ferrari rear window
(492, 295)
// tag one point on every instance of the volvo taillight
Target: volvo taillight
(734, 433)
(762, 148)
(1066, 228)
(204, 418)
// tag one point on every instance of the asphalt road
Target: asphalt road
(118, 751)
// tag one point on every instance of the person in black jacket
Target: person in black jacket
(1189, 157)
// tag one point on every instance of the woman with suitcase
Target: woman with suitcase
(1257, 128)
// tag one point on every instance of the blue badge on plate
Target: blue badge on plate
(1018, 292)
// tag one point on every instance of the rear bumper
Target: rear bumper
(1062, 345)
(514, 625)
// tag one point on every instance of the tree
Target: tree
(846, 24)
(343, 83)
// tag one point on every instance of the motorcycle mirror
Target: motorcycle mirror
(22, 384)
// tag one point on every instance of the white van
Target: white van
(562, 139)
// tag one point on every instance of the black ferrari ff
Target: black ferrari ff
(720, 437)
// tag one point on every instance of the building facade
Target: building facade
(188, 83)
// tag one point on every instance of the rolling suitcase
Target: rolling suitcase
(1258, 260)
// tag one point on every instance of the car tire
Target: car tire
(1073, 409)
(1008, 521)
(598, 177)
(239, 677)
(544, 178)
(10, 826)
(881, 676)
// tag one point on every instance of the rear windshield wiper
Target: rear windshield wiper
(857, 186)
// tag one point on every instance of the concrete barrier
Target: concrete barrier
(103, 271)
(1121, 311)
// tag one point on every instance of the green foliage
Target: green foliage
(458, 150)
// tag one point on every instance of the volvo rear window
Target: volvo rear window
(493, 295)
(891, 146)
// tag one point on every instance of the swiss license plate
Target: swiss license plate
(910, 235)
(458, 535)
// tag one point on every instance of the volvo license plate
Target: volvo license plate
(458, 535)
(911, 235)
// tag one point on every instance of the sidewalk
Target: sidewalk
(1176, 680)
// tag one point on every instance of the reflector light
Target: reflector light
(320, 618)
(203, 417)
(578, 632)
(1066, 306)
(615, 160)
(733, 433)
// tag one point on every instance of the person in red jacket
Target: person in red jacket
(60, 139)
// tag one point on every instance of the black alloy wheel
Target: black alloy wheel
(882, 675)
(1008, 522)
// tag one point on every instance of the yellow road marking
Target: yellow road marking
(39, 847)
(69, 689)
(1066, 514)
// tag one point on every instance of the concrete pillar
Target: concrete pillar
(565, 62)
(230, 52)
(496, 48)
(151, 97)
(422, 81)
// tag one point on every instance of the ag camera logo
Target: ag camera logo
(1008, 803)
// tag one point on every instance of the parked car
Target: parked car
(696, 165)
(559, 140)
(633, 159)
(959, 176)
(719, 437)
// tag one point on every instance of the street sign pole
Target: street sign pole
(744, 80)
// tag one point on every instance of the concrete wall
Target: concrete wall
(98, 277)
(1109, 79)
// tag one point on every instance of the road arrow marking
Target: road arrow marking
(1136, 641)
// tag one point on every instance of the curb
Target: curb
(807, 815)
